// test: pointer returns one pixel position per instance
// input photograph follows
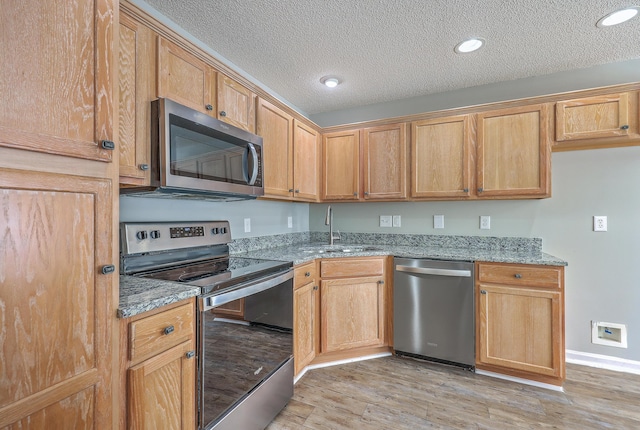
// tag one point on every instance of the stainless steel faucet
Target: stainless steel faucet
(329, 221)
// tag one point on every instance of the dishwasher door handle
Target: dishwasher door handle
(433, 271)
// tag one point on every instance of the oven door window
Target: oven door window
(203, 153)
(237, 355)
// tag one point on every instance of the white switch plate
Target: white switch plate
(385, 221)
(397, 221)
(247, 225)
(438, 221)
(485, 222)
(290, 222)
(600, 223)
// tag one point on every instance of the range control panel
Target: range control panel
(138, 238)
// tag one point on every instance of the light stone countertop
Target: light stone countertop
(139, 295)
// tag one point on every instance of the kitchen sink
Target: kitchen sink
(321, 249)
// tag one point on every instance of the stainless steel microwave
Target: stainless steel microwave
(194, 155)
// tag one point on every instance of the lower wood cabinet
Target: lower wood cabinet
(342, 313)
(159, 370)
(520, 321)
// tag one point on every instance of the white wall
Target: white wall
(267, 217)
(602, 279)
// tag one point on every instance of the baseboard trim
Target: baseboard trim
(603, 362)
(520, 380)
(337, 362)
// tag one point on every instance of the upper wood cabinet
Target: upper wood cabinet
(341, 165)
(57, 77)
(513, 153)
(137, 88)
(236, 104)
(385, 162)
(291, 155)
(442, 157)
(185, 78)
(306, 162)
(366, 164)
(597, 121)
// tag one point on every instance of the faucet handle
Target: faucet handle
(338, 237)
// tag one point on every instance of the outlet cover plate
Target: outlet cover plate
(438, 221)
(485, 222)
(599, 223)
(397, 221)
(385, 221)
(247, 225)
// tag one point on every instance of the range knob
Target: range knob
(214, 230)
(141, 235)
(223, 230)
(155, 234)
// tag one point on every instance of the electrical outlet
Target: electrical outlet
(438, 221)
(397, 221)
(599, 223)
(385, 221)
(290, 222)
(485, 222)
(247, 225)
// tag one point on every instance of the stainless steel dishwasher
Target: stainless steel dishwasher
(433, 310)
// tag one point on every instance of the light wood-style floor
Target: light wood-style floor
(400, 393)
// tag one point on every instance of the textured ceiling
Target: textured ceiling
(387, 50)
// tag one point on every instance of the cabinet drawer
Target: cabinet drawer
(351, 267)
(303, 274)
(517, 274)
(160, 332)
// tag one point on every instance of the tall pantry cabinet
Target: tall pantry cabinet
(58, 250)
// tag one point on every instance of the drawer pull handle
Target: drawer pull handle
(190, 354)
(518, 276)
(169, 330)
(307, 274)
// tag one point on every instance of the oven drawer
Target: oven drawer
(159, 332)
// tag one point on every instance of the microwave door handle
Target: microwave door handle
(254, 156)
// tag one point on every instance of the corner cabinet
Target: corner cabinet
(160, 368)
(514, 153)
(520, 321)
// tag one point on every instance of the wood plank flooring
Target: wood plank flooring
(401, 393)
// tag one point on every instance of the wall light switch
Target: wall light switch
(397, 221)
(290, 222)
(247, 225)
(438, 221)
(600, 223)
(385, 221)
(485, 222)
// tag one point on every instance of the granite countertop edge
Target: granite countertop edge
(138, 295)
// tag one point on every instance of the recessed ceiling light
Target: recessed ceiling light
(469, 45)
(330, 81)
(618, 17)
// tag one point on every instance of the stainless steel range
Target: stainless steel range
(245, 364)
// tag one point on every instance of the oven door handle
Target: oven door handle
(244, 290)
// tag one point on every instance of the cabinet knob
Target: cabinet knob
(290, 190)
(517, 276)
(168, 330)
(480, 190)
(366, 193)
(223, 113)
(208, 107)
(466, 190)
(307, 274)
(315, 288)
(108, 144)
(297, 191)
(380, 282)
(483, 292)
(355, 194)
(624, 127)
(190, 354)
(143, 166)
(109, 268)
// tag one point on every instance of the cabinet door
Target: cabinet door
(57, 77)
(305, 324)
(274, 125)
(385, 162)
(352, 313)
(306, 162)
(520, 329)
(161, 390)
(441, 157)
(341, 165)
(594, 117)
(137, 87)
(236, 104)
(57, 307)
(186, 79)
(513, 153)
